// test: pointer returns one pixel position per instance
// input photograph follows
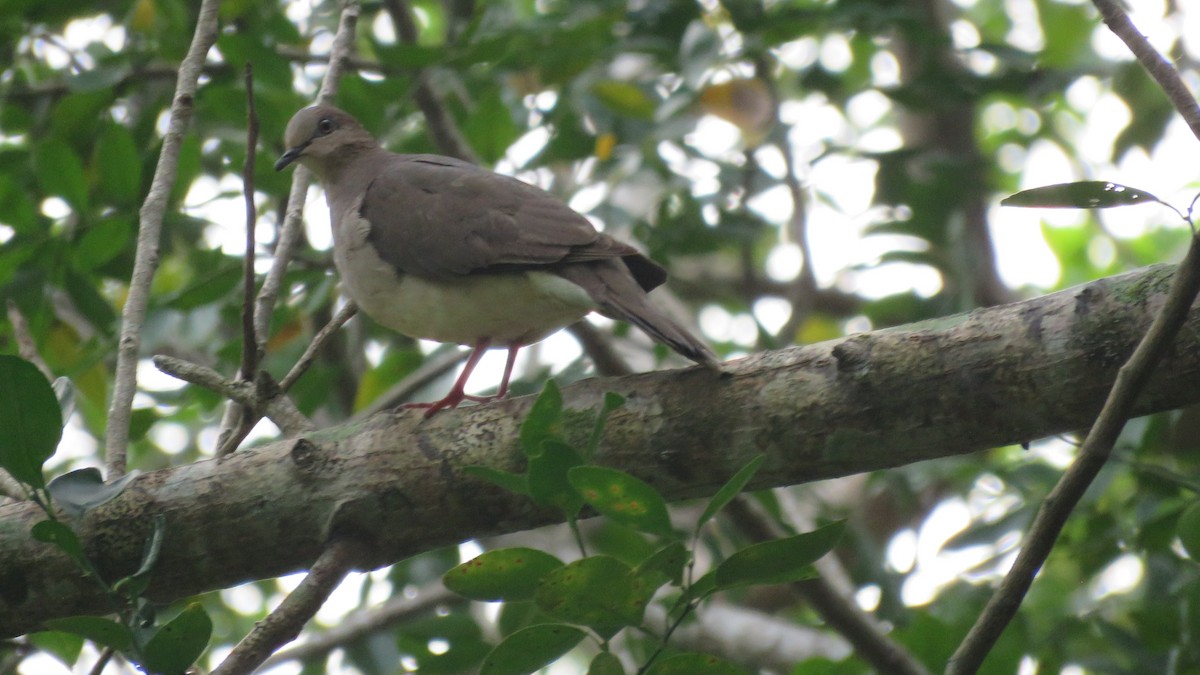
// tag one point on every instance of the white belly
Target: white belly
(517, 307)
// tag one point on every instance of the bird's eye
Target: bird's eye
(325, 126)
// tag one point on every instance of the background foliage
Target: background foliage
(688, 127)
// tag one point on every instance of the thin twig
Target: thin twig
(26, 345)
(868, 637)
(261, 397)
(268, 295)
(344, 314)
(149, 233)
(105, 656)
(285, 623)
(339, 55)
(1130, 381)
(236, 423)
(359, 624)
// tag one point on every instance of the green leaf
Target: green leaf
(1188, 529)
(1088, 194)
(729, 490)
(508, 574)
(117, 166)
(612, 401)
(623, 498)
(531, 648)
(82, 490)
(704, 587)
(513, 482)
(599, 591)
(61, 645)
(59, 172)
(548, 483)
(135, 584)
(177, 645)
(606, 663)
(625, 98)
(59, 534)
(31, 420)
(99, 630)
(542, 421)
(694, 664)
(778, 561)
(666, 564)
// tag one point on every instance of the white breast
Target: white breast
(516, 307)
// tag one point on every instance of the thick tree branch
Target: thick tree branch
(396, 482)
(149, 232)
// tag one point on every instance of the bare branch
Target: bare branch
(284, 624)
(1131, 380)
(149, 231)
(261, 397)
(310, 353)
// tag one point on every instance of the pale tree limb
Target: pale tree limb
(1131, 380)
(149, 232)
(285, 623)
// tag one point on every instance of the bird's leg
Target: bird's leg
(456, 395)
(508, 368)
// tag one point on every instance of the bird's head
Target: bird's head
(321, 137)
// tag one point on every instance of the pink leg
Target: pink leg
(456, 394)
(508, 368)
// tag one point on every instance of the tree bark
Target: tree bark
(395, 482)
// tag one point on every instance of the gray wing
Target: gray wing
(438, 217)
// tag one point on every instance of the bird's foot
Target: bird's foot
(451, 401)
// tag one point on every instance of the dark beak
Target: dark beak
(288, 157)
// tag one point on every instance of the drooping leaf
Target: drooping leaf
(60, 172)
(548, 483)
(61, 645)
(666, 564)
(513, 482)
(61, 535)
(612, 401)
(542, 420)
(600, 592)
(623, 498)
(135, 584)
(606, 663)
(729, 490)
(81, 490)
(529, 649)
(780, 560)
(1188, 529)
(31, 420)
(1088, 194)
(177, 645)
(694, 664)
(508, 574)
(97, 629)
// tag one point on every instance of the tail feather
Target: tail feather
(619, 296)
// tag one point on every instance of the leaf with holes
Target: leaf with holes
(1088, 194)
